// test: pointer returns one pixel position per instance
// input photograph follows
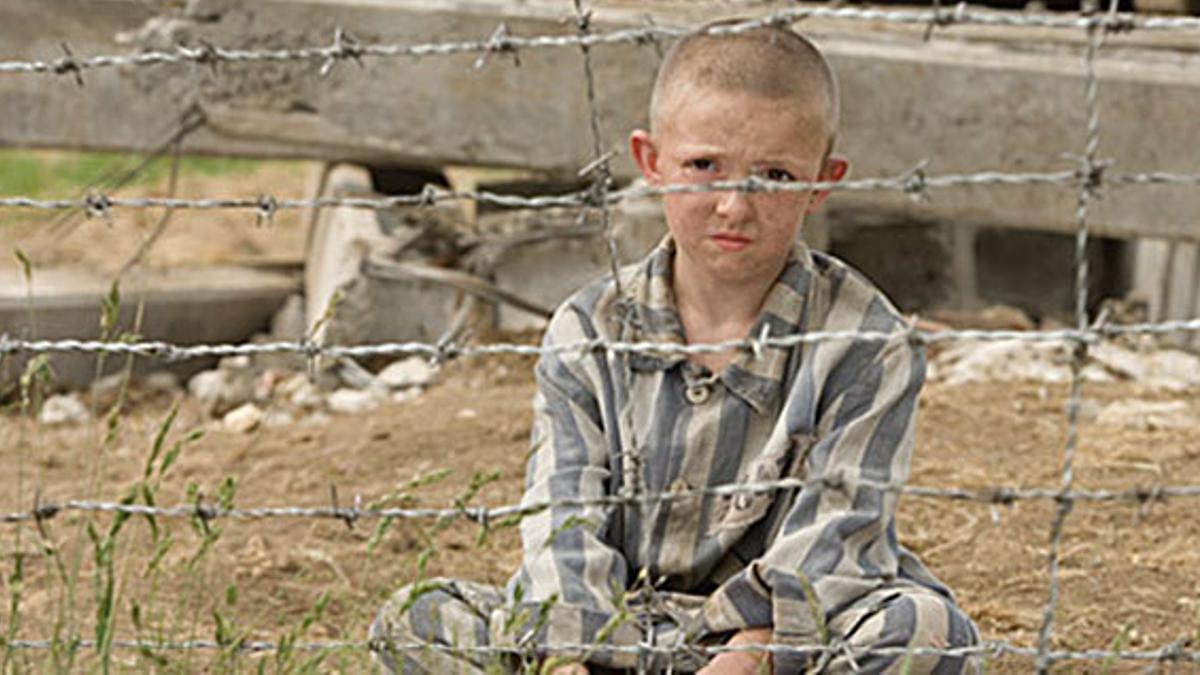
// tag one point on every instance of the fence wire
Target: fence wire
(914, 183)
(487, 516)
(344, 47)
(442, 351)
(1175, 652)
(1091, 174)
(1084, 195)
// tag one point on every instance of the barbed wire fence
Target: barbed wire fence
(1090, 176)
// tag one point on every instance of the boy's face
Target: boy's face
(708, 135)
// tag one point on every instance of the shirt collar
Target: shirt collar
(756, 378)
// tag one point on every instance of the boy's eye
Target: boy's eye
(701, 164)
(779, 175)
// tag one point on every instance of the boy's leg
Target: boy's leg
(443, 614)
(904, 617)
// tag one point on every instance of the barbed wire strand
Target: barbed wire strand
(1086, 191)
(601, 171)
(168, 351)
(1174, 652)
(913, 183)
(992, 495)
(341, 49)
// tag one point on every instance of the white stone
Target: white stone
(265, 383)
(350, 401)
(1148, 415)
(292, 384)
(413, 371)
(107, 387)
(406, 395)
(1096, 374)
(64, 409)
(302, 393)
(221, 390)
(1180, 369)
(207, 385)
(273, 419)
(239, 362)
(162, 382)
(1165, 370)
(1119, 360)
(316, 419)
(1006, 360)
(467, 414)
(243, 419)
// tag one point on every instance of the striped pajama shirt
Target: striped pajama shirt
(818, 565)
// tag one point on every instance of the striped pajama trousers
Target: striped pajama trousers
(455, 618)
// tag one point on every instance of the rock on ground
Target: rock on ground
(351, 401)
(1148, 415)
(413, 371)
(1008, 360)
(64, 410)
(221, 390)
(243, 419)
(1167, 370)
(300, 392)
(162, 382)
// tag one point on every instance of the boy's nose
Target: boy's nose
(734, 205)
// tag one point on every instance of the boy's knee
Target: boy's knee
(409, 617)
(911, 621)
(412, 613)
(939, 623)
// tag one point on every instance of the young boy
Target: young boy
(817, 566)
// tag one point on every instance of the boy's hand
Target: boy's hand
(742, 663)
(569, 669)
(735, 663)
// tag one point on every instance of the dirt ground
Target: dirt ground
(1126, 571)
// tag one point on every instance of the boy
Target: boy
(788, 568)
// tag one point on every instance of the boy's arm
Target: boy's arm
(822, 559)
(570, 578)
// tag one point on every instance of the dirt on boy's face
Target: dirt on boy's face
(710, 135)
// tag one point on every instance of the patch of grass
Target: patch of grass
(49, 174)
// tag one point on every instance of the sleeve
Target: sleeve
(571, 580)
(837, 540)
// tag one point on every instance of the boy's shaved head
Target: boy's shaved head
(771, 62)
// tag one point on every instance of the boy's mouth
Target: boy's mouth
(728, 241)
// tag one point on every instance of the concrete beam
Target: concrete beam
(181, 306)
(967, 100)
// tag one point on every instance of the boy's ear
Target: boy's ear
(645, 155)
(834, 170)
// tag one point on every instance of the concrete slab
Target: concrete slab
(370, 307)
(1167, 276)
(548, 272)
(184, 306)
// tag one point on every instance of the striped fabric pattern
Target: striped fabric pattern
(607, 424)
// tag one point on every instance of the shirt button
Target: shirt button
(697, 394)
